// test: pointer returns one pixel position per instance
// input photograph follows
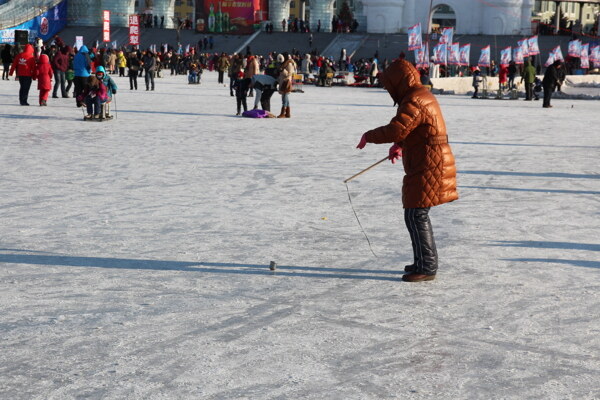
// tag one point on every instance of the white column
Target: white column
(385, 16)
(119, 11)
(410, 14)
(166, 8)
(278, 10)
(321, 10)
(526, 17)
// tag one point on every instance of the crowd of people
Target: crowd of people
(247, 73)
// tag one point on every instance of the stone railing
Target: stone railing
(16, 12)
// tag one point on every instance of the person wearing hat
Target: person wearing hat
(111, 86)
(240, 85)
(418, 134)
(25, 66)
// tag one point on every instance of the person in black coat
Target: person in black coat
(133, 64)
(550, 81)
(7, 59)
(241, 86)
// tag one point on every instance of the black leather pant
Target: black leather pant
(548, 89)
(421, 235)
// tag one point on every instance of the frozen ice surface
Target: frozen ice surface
(135, 253)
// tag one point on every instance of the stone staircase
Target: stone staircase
(349, 41)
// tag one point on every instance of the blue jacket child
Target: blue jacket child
(111, 86)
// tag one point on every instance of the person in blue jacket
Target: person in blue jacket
(111, 86)
(82, 68)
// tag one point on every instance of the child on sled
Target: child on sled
(93, 96)
(194, 73)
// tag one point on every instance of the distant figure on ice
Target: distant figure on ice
(287, 70)
(551, 81)
(418, 132)
(241, 85)
(528, 77)
(477, 79)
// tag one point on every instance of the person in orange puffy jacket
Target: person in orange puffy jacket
(24, 65)
(418, 132)
(44, 78)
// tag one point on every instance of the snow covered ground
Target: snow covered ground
(134, 254)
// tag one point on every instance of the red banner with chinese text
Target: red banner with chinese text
(134, 30)
(106, 26)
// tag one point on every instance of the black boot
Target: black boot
(421, 235)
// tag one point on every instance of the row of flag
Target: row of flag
(449, 53)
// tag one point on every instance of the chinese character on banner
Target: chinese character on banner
(422, 56)
(518, 55)
(465, 55)
(454, 54)
(414, 37)
(505, 56)
(447, 35)
(484, 58)
(524, 46)
(106, 26)
(558, 55)
(574, 49)
(134, 30)
(595, 55)
(534, 48)
(585, 59)
(440, 54)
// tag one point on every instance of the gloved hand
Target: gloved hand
(363, 142)
(395, 153)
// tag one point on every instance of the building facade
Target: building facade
(89, 12)
(581, 17)
(490, 17)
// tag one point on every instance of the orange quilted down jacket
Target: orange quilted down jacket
(420, 130)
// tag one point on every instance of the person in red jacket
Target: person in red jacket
(60, 64)
(24, 65)
(44, 78)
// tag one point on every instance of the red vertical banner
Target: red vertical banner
(134, 30)
(106, 26)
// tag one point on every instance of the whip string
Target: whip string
(358, 220)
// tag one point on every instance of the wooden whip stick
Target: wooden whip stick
(366, 169)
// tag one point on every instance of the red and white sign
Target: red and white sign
(134, 30)
(106, 26)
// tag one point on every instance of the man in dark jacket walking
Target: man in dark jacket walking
(7, 59)
(149, 65)
(550, 81)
